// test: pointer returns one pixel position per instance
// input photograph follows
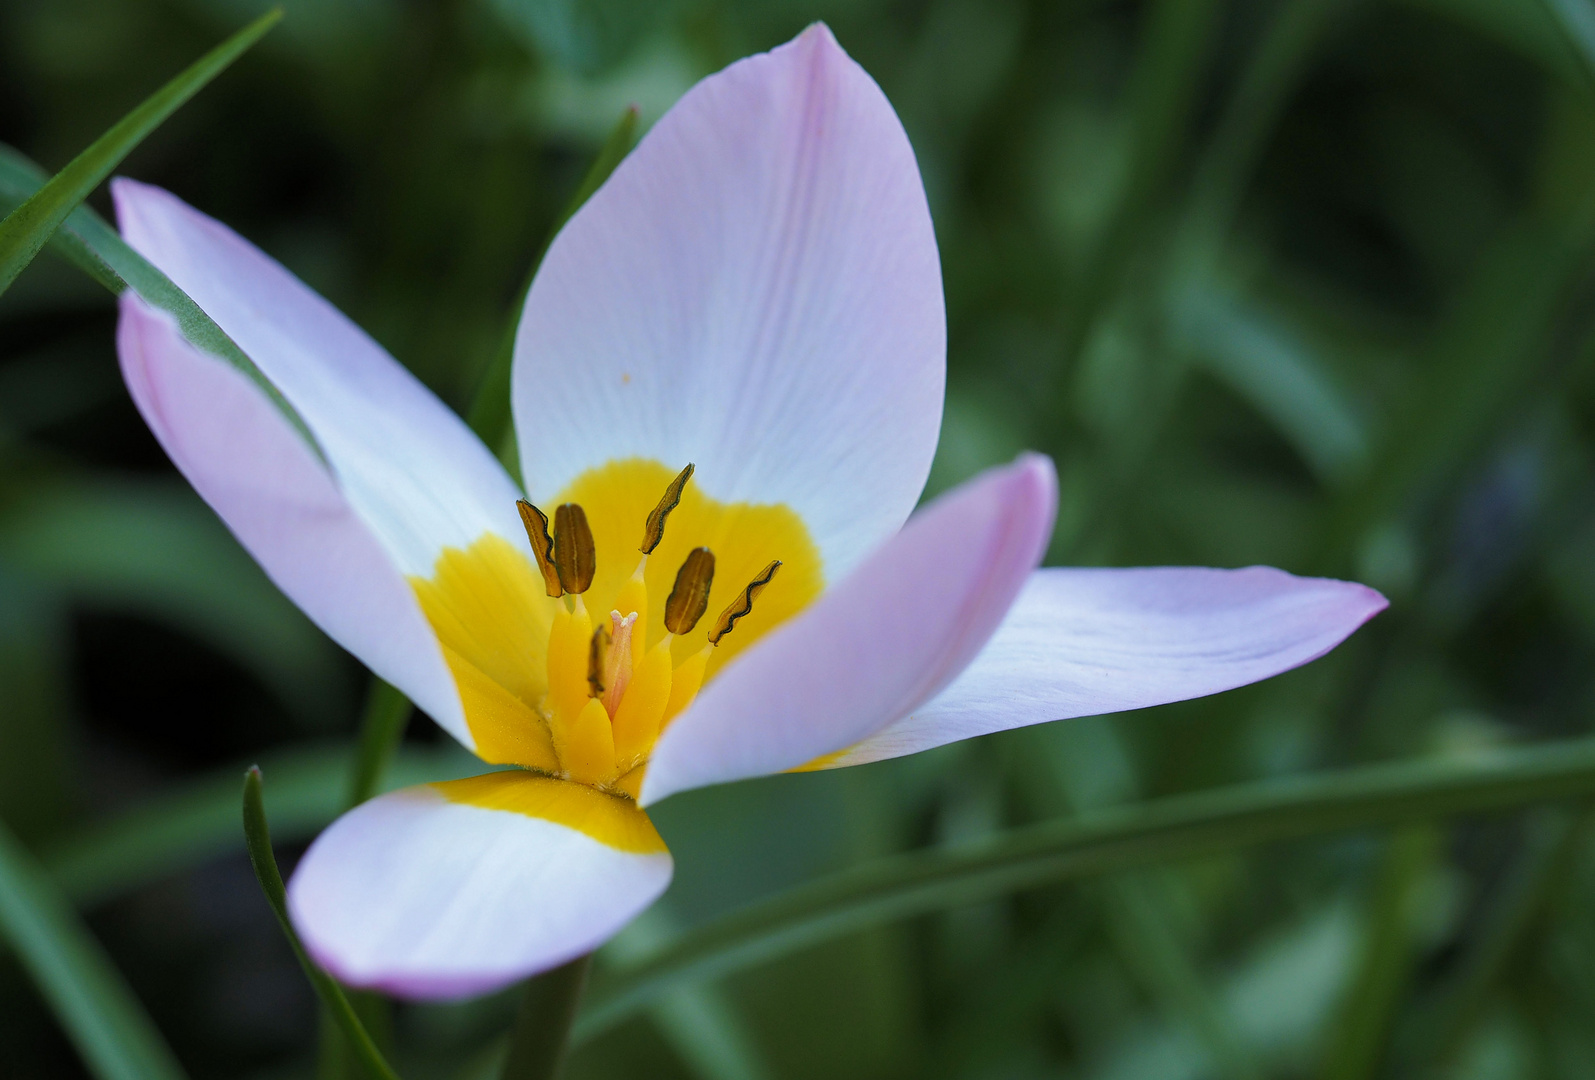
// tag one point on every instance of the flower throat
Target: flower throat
(609, 694)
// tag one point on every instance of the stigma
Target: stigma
(609, 694)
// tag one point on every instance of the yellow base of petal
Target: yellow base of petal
(520, 659)
(609, 819)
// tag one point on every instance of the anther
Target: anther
(690, 596)
(743, 604)
(574, 556)
(536, 523)
(597, 653)
(653, 530)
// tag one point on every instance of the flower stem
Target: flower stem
(542, 1024)
(386, 713)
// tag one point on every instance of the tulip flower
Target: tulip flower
(728, 384)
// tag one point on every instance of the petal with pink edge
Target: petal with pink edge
(427, 895)
(874, 647)
(258, 474)
(756, 290)
(409, 467)
(1080, 642)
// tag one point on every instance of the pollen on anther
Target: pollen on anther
(575, 557)
(653, 529)
(536, 523)
(689, 598)
(597, 653)
(743, 604)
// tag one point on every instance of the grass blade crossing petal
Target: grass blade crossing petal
(27, 228)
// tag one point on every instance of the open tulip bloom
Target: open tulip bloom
(728, 384)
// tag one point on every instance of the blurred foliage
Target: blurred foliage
(1300, 282)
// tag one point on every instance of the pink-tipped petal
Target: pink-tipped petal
(425, 898)
(1081, 642)
(408, 465)
(255, 471)
(876, 646)
(755, 290)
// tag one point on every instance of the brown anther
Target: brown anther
(743, 604)
(536, 523)
(574, 556)
(690, 595)
(653, 530)
(597, 653)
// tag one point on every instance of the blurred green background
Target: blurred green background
(1298, 282)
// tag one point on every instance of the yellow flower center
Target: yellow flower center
(580, 687)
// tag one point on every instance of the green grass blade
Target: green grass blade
(198, 820)
(26, 229)
(86, 240)
(257, 835)
(489, 414)
(1554, 838)
(1170, 67)
(92, 1002)
(1492, 348)
(1159, 831)
(1356, 1042)
(20, 177)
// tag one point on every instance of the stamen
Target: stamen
(597, 653)
(569, 639)
(743, 604)
(690, 596)
(653, 530)
(574, 555)
(536, 523)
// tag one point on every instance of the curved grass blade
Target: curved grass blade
(93, 1004)
(87, 241)
(198, 820)
(1160, 831)
(489, 414)
(26, 229)
(258, 837)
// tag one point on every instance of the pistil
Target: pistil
(617, 666)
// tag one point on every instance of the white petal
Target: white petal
(407, 464)
(256, 472)
(1082, 642)
(427, 898)
(755, 290)
(876, 646)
